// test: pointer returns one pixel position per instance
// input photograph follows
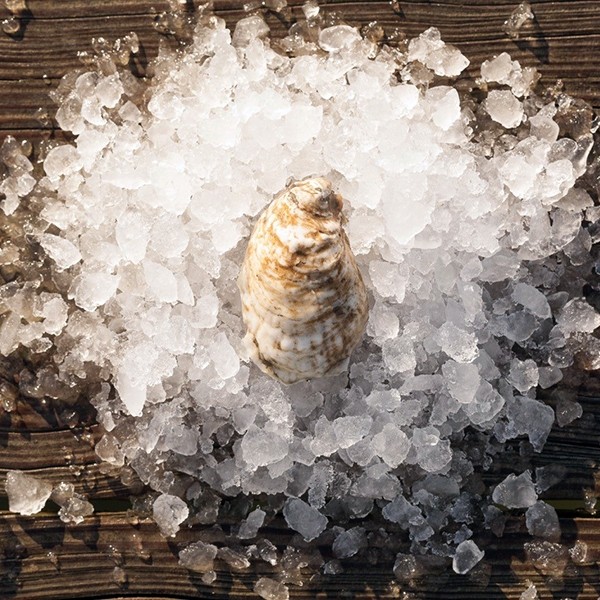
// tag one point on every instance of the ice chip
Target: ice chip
(530, 593)
(304, 519)
(225, 358)
(62, 251)
(198, 557)
(523, 374)
(532, 299)
(132, 235)
(504, 108)
(443, 59)
(391, 444)
(463, 380)
(260, 448)
(432, 452)
(350, 430)
(169, 512)
(61, 161)
(27, 495)
(161, 281)
(457, 343)
(446, 106)
(466, 556)
(269, 589)
(248, 29)
(567, 411)
(578, 316)
(254, 521)
(399, 355)
(498, 69)
(93, 289)
(516, 491)
(350, 542)
(518, 18)
(338, 37)
(542, 521)
(74, 507)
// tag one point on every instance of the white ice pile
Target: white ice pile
(466, 225)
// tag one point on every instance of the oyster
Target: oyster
(304, 302)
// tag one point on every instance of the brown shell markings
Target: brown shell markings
(304, 302)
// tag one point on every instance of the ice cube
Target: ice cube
(466, 556)
(260, 447)
(169, 512)
(254, 521)
(27, 495)
(270, 589)
(338, 37)
(504, 108)
(63, 252)
(516, 491)
(542, 521)
(198, 557)
(93, 289)
(304, 519)
(350, 542)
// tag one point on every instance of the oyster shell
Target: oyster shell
(304, 302)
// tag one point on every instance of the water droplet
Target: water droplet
(11, 26)
(26, 148)
(42, 116)
(54, 559)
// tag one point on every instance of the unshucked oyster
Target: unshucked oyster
(304, 302)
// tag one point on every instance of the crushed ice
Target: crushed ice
(468, 229)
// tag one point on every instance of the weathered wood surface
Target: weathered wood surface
(41, 558)
(564, 40)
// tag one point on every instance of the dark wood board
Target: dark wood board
(42, 559)
(563, 42)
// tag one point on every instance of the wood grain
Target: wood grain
(563, 42)
(44, 559)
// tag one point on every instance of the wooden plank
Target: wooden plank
(563, 43)
(41, 558)
(44, 559)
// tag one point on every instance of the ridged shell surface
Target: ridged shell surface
(303, 298)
